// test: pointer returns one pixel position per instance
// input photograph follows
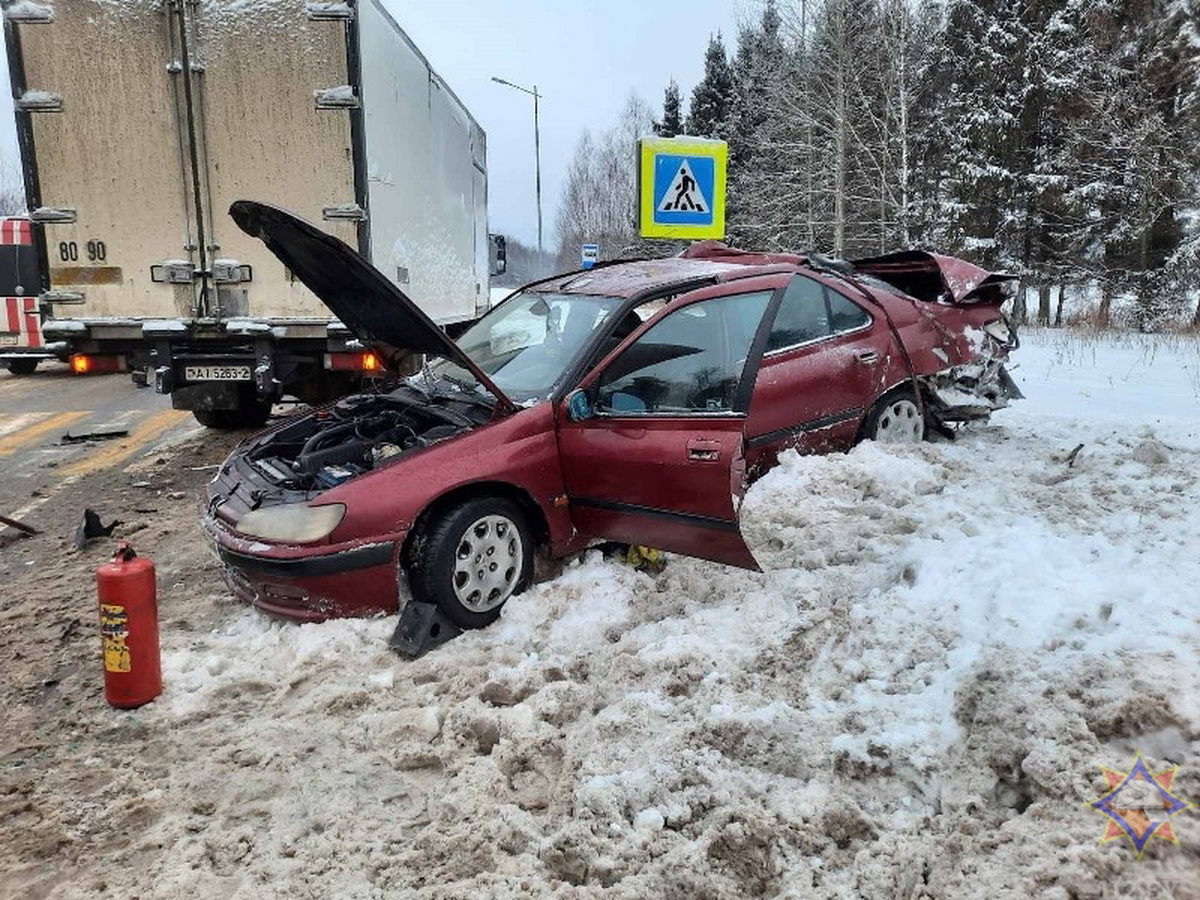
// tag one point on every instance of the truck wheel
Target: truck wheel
(213, 418)
(472, 559)
(22, 366)
(251, 415)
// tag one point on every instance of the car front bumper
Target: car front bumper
(309, 584)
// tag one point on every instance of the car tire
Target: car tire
(22, 366)
(895, 419)
(492, 533)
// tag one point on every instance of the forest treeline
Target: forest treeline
(1057, 140)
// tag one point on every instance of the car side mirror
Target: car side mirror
(579, 406)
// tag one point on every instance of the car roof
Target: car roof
(704, 261)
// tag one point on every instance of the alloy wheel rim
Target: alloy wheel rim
(900, 423)
(487, 563)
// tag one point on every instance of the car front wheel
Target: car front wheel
(472, 559)
(895, 419)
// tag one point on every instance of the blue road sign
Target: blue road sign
(588, 255)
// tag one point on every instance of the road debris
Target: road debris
(26, 530)
(100, 433)
(421, 628)
(91, 527)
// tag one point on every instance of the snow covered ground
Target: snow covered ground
(912, 700)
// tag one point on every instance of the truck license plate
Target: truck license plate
(216, 373)
(8, 340)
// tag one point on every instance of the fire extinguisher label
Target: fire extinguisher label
(113, 632)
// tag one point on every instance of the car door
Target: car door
(823, 366)
(652, 444)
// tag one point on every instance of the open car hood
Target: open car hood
(362, 298)
(931, 276)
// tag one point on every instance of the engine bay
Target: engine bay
(358, 434)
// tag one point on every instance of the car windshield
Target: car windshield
(528, 342)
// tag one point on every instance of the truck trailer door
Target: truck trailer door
(104, 174)
(273, 100)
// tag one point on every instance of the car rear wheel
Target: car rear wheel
(473, 559)
(896, 419)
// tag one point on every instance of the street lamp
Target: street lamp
(537, 149)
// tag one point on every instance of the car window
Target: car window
(845, 314)
(527, 343)
(802, 315)
(689, 362)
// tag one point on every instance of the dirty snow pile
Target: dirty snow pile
(913, 699)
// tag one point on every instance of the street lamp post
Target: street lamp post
(537, 149)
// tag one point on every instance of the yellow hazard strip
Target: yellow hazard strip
(26, 435)
(116, 452)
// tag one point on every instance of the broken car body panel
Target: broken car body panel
(675, 384)
(931, 276)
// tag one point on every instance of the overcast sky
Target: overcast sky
(585, 57)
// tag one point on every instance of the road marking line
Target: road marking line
(13, 442)
(121, 449)
(10, 422)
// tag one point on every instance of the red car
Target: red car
(627, 403)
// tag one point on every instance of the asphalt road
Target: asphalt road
(38, 411)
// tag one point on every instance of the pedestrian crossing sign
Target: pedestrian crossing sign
(682, 187)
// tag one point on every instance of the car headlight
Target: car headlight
(293, 523)
(999, 330)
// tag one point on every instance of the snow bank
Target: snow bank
(913, 698)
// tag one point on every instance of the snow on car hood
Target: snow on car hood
(361, 297)
(931, 276)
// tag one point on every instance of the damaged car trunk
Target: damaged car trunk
(965, 379)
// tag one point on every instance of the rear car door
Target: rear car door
(658, 460)
(823, 366)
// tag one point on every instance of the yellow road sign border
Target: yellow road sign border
(650, 147)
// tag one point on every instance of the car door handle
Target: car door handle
(869, 358)
(703, 451)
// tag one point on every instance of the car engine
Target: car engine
(359, 434)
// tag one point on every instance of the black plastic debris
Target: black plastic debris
(96, 434)
(90, 527)
(24, 529)
(421, 628)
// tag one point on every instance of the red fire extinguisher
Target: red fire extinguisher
(129, 629)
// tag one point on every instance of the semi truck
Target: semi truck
(141, 121)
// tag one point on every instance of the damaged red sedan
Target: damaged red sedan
(631, 403)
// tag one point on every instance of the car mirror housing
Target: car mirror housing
(579, 406)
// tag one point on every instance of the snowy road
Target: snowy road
(914, 699)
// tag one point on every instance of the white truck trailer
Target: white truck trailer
(141, 121)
